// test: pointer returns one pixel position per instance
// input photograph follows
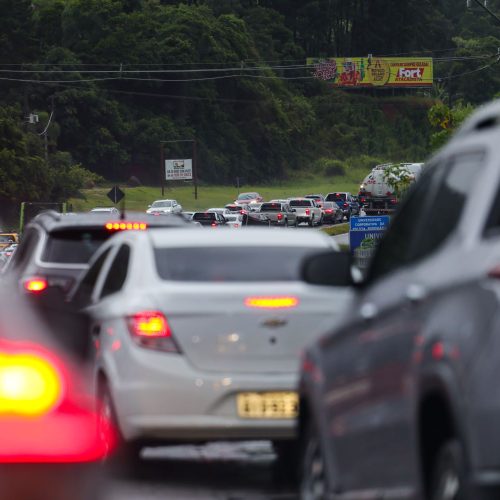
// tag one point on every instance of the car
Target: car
(248, 198)
(222, 211)
(319, 198)
(7, 239)
(332, 213)
(161, 207)
(306, 211)
(239, 208)
(50, 446)
(108, 210)
(280, 214)
(235, 220)
(400, 397)
(210, 219)
(347, 202)
(56, 248)
(206, 330)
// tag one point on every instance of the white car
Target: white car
(106, 210)
(199, 333)
(164, 207)
(234, 220)
(225, 212)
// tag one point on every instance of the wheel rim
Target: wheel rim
(313, 486)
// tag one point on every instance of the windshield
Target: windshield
(204, 216)
(73, 246)
(271, 207)
(336, 197)
(246, 196)
(161, 204)
(300, 203)
(219, 264)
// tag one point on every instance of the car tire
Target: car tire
(286, 222)
(127, 455)
(286, 465)
(312, 470)
(311, 222)
(320, 222)
(449, 476)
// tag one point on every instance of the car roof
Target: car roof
(250, 237)
(51, 220)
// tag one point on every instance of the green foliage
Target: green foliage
(399, 178)
(446, 120)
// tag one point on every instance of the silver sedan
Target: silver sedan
(199, 335)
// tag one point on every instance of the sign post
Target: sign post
(179, 169)
(364, 233)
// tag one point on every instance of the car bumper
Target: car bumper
(160, 396)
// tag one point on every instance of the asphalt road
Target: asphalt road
(218, 471)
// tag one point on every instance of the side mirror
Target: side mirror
(329, 268)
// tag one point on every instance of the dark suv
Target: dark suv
(401, 399)
(348, 203)
(55, 248)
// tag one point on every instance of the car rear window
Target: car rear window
(336, 197)
(73, 246)
(271, 207)
(204, 216)
(232, 264)
(300, 203)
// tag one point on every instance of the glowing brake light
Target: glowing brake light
(213, 224)
(35, 285)
(346, 205)
(150, 329)
(328, 211)
(308, 212)
(272, 302)
(126, 226)
(280, 216)
(30, 385)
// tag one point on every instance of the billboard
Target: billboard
(373, 71)
(178, 170)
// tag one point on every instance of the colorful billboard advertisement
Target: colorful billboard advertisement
(373, 71)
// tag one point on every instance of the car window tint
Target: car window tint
(301, 203)
(231, 264)
(395, 247)
(73, 246)
(26, 249)
(86, 287)
(117, 272)
(461, 174)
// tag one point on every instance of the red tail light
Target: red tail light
(328, 211)
(150, 329)
(308, 212)
(213, 224)
(346, 205)
(363, 200)
(394, 201)
(280, 216)
(45, 415)
(35, 284)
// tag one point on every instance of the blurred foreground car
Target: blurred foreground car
(199, 333)
(56, 247)
(51, 444)
(402, 400)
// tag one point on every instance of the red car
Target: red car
(248, 198)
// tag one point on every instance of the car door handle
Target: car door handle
(368, 311)
(416, 293)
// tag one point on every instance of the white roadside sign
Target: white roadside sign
(178, 170)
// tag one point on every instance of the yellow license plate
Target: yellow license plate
(268, 404)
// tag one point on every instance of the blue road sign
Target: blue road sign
(365, 231)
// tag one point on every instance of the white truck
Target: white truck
(377, 193)
(306, 210)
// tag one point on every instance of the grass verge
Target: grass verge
(338, 229)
